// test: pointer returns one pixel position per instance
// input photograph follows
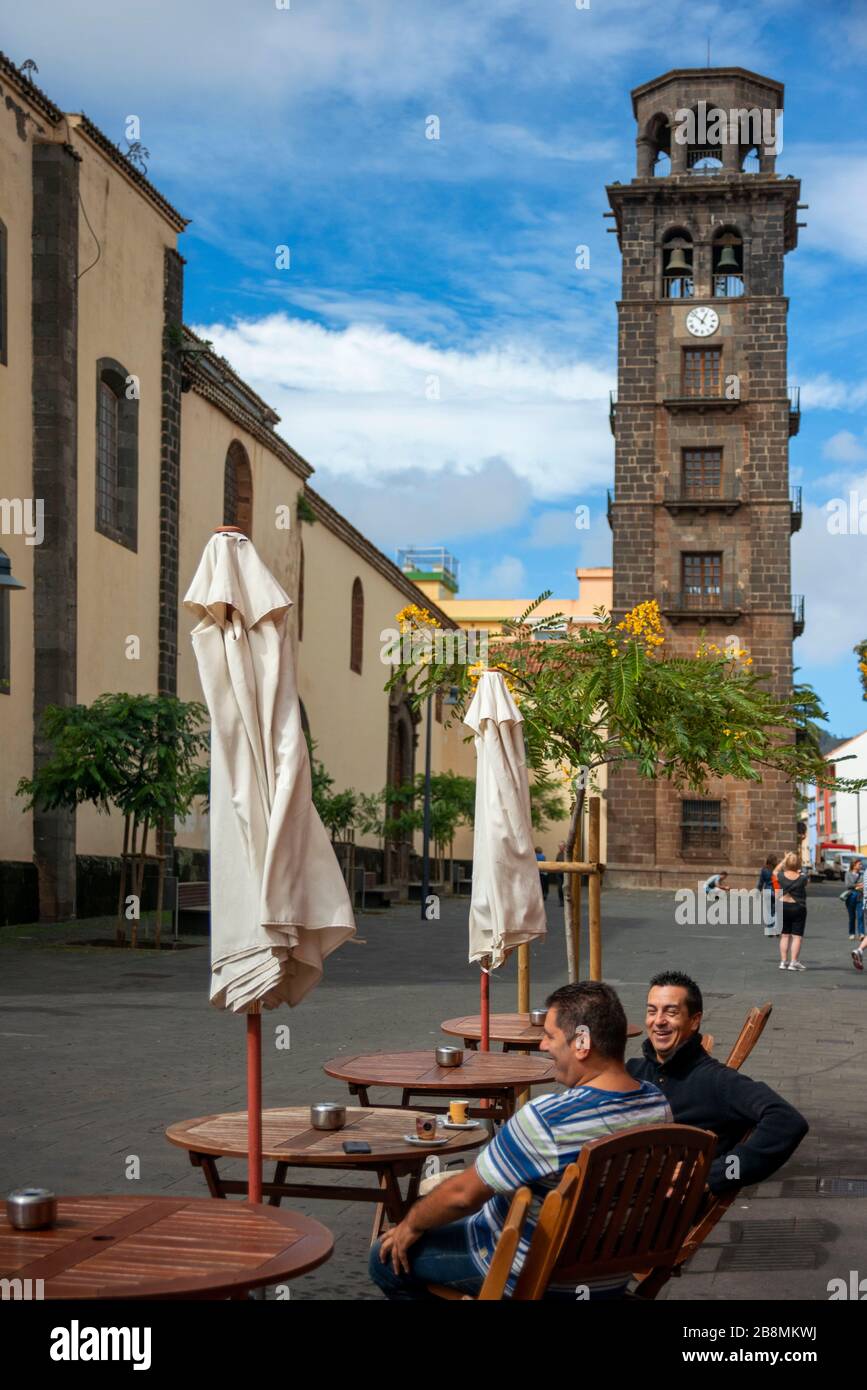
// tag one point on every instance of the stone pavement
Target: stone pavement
(101, 1050)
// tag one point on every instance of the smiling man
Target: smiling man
(450, 1235)
(704, 1092)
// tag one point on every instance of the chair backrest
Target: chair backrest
(707, 1041)
(504, 1255)
(754, 1026)
(627, 1203)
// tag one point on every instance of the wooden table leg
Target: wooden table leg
(280, 1172)
(392, 1209)
(208, 1165)
(472, 1044)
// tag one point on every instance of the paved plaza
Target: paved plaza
(103, 1049)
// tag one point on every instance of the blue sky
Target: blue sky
(451, 261)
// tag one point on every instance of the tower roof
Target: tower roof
(710, 76)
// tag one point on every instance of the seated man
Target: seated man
(449, 1236)
(706, 1093)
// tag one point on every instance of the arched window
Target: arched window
(677, 264)
(356, 641)
(238, 489)
(301, 593)
(658, 135)
(116, 453)
(728, 264)
(3, 317)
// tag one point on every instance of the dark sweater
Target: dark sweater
(702, 1091)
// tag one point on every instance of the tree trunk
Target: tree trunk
(161, 879)
(139, 883)
(568, 881)
(119, 926)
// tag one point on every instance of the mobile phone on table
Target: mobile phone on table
(355, 1146)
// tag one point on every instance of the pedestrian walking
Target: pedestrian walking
(561, 858)
(543, 878)
(767, 884)
(793, 881)
(853, 897)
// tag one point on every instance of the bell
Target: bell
(728, 260)
(677, 262)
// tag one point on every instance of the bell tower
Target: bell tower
(702, 513)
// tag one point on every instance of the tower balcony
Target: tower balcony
(794, 409)
(697, 498)
(797, 514)
(724, 603)
(797, 614)
(612, 411)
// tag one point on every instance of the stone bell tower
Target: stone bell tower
(702, 512)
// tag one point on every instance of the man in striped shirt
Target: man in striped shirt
(450, 1235)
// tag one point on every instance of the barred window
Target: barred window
(5, 640)
(238, 489)
(3, 315)
(701, 825)
(702, 472)
(106, 456)
(702, 371)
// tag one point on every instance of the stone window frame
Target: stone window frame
(729, 229)
(300, 606)
(678, 230)
(718, 449)
(701, 850)
(4, 297)
(356, 634)
(5, 639)
(122, 525)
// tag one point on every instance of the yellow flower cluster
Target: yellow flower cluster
(706, 648)
(742, 734)
(645, 620)
(414, 616)
(479, 667)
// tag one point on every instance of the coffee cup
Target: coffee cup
(426, 1126)
(458, 1112)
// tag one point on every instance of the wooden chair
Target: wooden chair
(754, 1026)
(502, 1259)
(630, 1199)
(707, 1042)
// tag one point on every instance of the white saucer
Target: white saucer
(424, 1143)
(468, 1124)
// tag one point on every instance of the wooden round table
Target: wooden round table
(161, 1247)
(496, 1076)
(290, 1141)
(514, 1031)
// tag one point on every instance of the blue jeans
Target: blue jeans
(855, 908)
(441, 1256)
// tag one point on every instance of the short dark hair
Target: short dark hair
(771, 861)
(598, 1008)
(677, 979)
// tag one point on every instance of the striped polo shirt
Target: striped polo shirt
(536, 1145)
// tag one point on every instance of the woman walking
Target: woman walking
(793, 882)
(854, 890)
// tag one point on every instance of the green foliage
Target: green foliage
(607, 694)
(304, 511)
(861, 653)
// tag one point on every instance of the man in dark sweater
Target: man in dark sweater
(704, 1092)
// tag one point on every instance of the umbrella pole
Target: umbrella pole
(485, 980)
(254, 1104)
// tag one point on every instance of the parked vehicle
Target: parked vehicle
(829, 860)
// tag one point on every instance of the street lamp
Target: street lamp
(450, 699)
(7, 578)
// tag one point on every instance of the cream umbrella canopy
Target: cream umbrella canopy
(506, 907)
(279, 905)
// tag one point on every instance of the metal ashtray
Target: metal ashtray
(31, 1208)
(538, 1016)
(449, 1056)
(328, 1115)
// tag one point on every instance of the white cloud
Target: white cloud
(506, 579)
(360, 403)
(824, 392)
(831, 570)
(844, 447)
(833, 179)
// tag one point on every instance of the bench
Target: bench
(194, 898)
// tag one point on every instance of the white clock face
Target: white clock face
(702, 322)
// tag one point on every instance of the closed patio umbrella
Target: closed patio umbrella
(506, 907)
(279, 905)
